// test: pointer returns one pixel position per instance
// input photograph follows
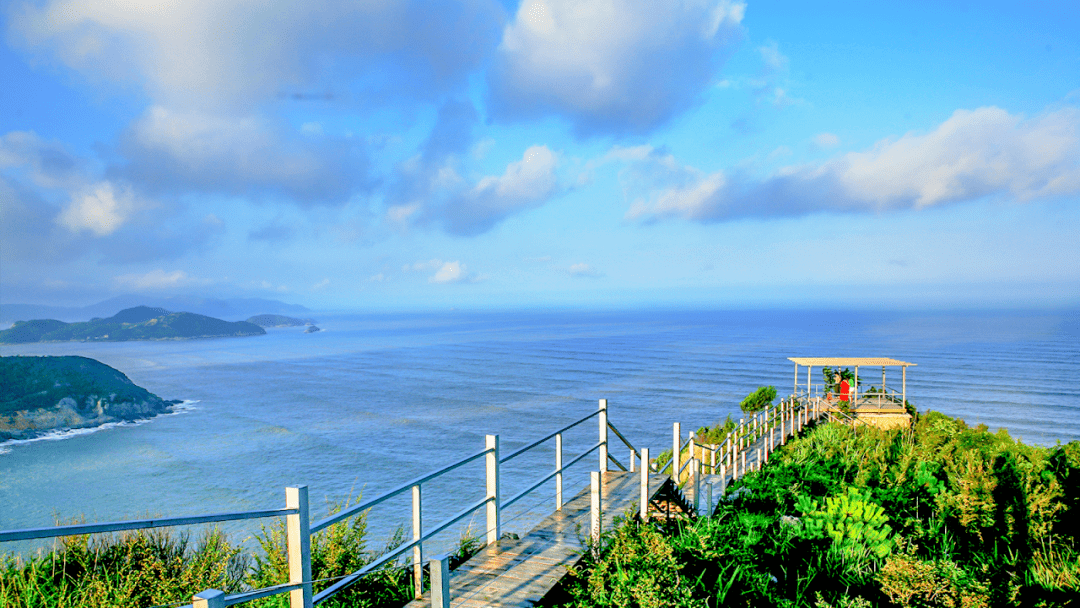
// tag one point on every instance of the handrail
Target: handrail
(353, 510)
(137, 524)
(612, 458)
(355, 576)
(521, 494)
(624, 440)
(256, 594)
(532, 445)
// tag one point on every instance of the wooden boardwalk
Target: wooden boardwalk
(519, 573)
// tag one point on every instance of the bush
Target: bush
(758, 400)
(937, 515)
(136, 569)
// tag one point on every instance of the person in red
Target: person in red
(845, 390)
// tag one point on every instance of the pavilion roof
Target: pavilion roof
(848, 361)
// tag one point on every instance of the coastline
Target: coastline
(29, 424)
(88, 426)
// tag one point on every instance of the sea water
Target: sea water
(376, 400)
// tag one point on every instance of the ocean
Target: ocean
(375, 400)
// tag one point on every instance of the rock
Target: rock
(40, 394)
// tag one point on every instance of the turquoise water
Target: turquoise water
(377, 399)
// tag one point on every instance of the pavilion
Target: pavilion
(883, 407)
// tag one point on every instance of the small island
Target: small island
(279, 321)
(138, 323)
(40, 394)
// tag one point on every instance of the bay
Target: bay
(375, 400)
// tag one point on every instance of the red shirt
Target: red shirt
(845, 391)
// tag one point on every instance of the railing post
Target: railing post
(211, 598)
(632, 455)
(494, 525)
(596, 516)
(723, 479)
(440, 581)
(417, 534)
(695, 466)
(644, 484)
(298, 539)
(603, 436)
(690, 445)
(558, 472)
(676, 435)
(783, 413)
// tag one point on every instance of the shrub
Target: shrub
(758, 400)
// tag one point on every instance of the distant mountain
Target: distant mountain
(234, 309)
(38, 394)
(279, 321)
(138, 323)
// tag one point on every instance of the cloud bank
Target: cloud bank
(610, 66)
(215, 55)
(973, 154)
(172, 151)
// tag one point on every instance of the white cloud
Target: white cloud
(422, 265)
(323, 284)
(610, 65)
(171, 150)
(975, 153)
(774, 60)
(231, 53)
(450, 272)
(525, 184)
(157, 280)
(101, 208)
(826, 140)
(49, 163)
(584, 270)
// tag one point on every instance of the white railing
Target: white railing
(759, 436)
(299, 529)
(762, 432)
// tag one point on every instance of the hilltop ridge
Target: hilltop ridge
(39, 394)
(137, 323)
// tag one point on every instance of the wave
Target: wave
(183, 407)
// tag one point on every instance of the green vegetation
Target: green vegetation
(758, 400)
(139, 323)
(279, 321)
(38, 394)
(937, 515)
(28, 383)
(157, 567)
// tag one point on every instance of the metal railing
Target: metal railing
(299, 528)
(728, 458)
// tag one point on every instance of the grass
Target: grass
(163, 566)
(937, 515)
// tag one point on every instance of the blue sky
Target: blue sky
(482, 154)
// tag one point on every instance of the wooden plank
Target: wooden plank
(520, 572)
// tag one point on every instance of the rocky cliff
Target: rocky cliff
(39, 394)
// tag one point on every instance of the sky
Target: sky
(405, 155)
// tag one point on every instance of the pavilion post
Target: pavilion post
(808, 368)
(903, 383)
(796, 391)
